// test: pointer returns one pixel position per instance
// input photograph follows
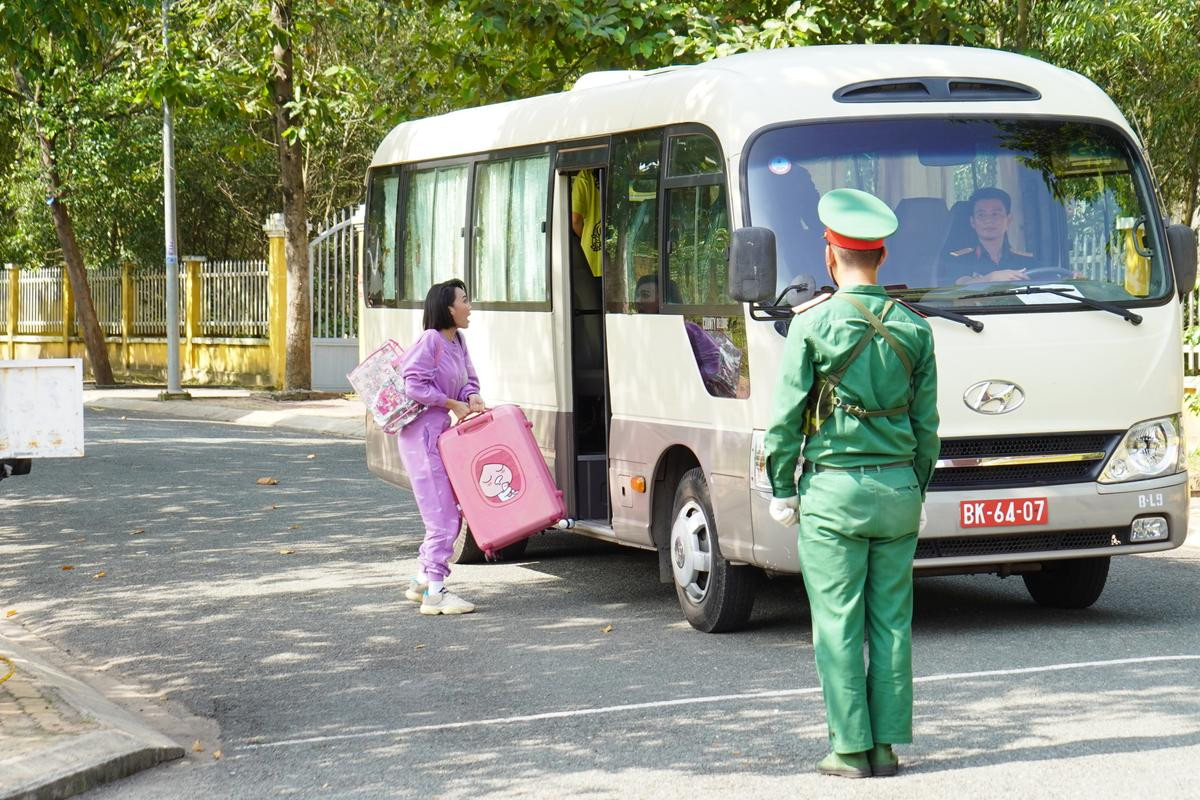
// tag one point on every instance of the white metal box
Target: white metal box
(41, 408)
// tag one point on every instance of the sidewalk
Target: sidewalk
(335, 416)
(60, 736)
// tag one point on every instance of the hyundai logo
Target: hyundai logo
(994, 397)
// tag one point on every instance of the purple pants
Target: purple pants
(435, 499)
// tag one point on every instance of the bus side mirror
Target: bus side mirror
(752, 265)
(1181, 240)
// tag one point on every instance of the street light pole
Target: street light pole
(172, 252)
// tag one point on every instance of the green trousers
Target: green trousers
(858, 534)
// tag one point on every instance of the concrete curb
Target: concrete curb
(119, 745)
(291, 419)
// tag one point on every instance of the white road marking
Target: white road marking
(687, 701)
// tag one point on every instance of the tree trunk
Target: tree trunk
(297, 371)
(1192, 189)
(93, 337)
(1022, 42)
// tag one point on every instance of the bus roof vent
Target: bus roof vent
(936, 90)
(591, 80)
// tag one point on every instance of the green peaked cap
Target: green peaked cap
(857, 214)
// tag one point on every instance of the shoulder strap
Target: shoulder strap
(877, 324)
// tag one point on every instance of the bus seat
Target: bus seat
(912, 250)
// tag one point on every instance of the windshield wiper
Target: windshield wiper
(934, 311)
(1100, 305)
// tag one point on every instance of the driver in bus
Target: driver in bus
(991, 258)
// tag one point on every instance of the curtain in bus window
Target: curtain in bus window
(631, 241)
(449, 217)
(418, 235)
(510, 237)
(527, 237)
(491, 230)
(380, 268)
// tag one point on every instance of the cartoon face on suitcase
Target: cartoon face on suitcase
(498, 475)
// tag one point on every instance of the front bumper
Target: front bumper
(1084, 520)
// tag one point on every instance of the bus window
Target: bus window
(697, 239)
(510, 230)
(434, 215)
(631, 242)
(379, 284)
(698, 264)
(979, 201)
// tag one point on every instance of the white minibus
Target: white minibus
(1031, 236)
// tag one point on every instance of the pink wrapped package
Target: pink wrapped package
(379, 382)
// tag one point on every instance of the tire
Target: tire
(467, 552)
(1076, 583)
(715, 596)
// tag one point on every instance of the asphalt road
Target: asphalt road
(277, 612)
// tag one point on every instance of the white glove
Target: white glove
(921, 524)
(786, 510)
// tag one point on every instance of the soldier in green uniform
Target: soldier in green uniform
(991, 258)
(857, 398)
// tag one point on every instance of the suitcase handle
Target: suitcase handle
(472, 422)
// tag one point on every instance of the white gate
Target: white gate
(333, 265)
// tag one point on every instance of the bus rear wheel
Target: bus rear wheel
(715, 595)
(466, 551)
(1075, 583)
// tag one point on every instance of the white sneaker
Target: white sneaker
(444, 602)
(415, 590)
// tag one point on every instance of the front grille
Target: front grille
(946, 478)
(961, 546)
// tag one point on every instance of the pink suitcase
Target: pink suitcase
(502, 482)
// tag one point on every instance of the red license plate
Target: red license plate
(1000, 513)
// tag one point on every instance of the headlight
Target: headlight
(1149, 450)
(760, 481)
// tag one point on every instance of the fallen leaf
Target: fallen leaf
(268, 481)
(216, 755)
(286, 551)
(418, 647)
(311, 456)
(68, 566)
(197, 747)
(606, 629)
(137, 532)
(100, 574)
(12, 612)
(293, 526)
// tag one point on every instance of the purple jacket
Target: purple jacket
(435, 369)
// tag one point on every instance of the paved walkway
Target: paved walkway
(335, 415)
(59, 735)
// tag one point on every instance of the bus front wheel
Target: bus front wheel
(715, 595)
(1075, 583)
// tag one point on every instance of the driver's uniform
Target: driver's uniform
(975, 260)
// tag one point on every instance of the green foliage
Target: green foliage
(99, 74)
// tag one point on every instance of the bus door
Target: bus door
(586, 169)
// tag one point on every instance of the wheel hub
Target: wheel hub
(691, 557)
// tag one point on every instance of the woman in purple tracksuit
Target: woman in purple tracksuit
(437, 373)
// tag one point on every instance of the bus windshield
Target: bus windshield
(985, 207)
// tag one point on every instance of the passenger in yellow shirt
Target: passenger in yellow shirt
(585, 218)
